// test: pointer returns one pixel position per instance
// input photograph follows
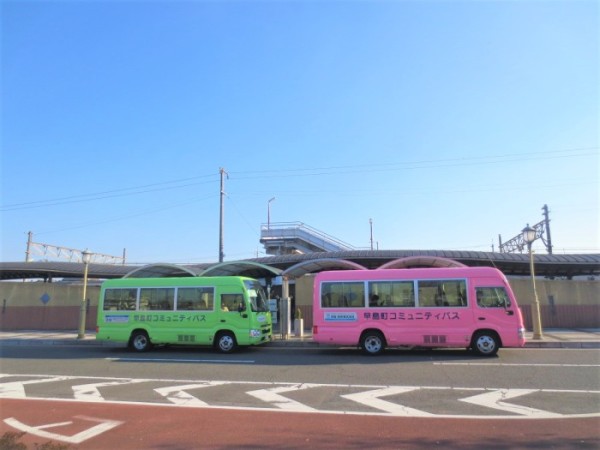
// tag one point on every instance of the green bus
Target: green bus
(224, 312)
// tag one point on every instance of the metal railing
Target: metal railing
(277, 233)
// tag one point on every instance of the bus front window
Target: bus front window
(256, 294)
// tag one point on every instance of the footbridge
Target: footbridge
(287, 238)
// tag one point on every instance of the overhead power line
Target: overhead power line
(123, 192)
(305, 172)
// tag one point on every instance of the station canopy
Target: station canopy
(296, 265)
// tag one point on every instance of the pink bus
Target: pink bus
(459, 307)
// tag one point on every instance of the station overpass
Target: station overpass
(288, 238)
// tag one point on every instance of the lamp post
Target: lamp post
(85, 256)
(529, 235)
(269, 213)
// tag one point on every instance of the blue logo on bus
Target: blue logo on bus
(116, 319)
(341, 317)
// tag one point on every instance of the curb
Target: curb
(586, 345)
(291, 343)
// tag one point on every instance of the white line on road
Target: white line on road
(217, 361)
(513, 364)
(272, 396)
(90, 392)
(103, 426)
(179, 396)
(495, 400)
(371, 398)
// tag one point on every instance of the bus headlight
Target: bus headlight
(255, 333)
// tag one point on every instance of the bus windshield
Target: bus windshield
(258, 299)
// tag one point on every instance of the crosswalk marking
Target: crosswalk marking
(271, 396)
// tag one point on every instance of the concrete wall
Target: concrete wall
(55, 306)
(45, 306)
(563, 303)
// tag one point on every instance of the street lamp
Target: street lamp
(269, 213)
(86, 256)
(529, 235)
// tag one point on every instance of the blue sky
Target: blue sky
(446, 123)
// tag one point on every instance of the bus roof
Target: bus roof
(385, 274)
(173, 281)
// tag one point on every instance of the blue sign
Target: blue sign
(45, 298)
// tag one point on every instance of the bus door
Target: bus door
(235, 315)
(494, 308)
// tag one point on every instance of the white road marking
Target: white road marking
(272, 396)
(495, 400)
(371, 398)
(16, 389)
(513, 364)
(212, 361)
(78, 438)
(179, 396)
(89, 392)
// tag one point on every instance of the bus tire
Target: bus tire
(372, 343)
(485, 343)
(225, 342)
(139, 341)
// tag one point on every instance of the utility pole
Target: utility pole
(548, 238)
(223, 173)
(28, 251)
(269, 213)
(371, 225)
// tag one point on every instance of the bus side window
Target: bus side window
(232, 302)
(119, 299)
(442, 293)
(157, 299)
(492, 297)
(195, 298)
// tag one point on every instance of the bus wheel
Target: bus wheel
(485, 343)
(226, 342)
(372, 343)
(140, 342)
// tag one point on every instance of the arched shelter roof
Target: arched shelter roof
(421, 261)
(241, 268)
(318, 265)
(160, 270)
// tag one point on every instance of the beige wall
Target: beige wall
(565, 292)
(22, 308)
(30, 294)
(576, 303)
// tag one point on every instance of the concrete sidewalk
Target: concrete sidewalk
(553, 338)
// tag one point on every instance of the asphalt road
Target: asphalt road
(290, 398)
